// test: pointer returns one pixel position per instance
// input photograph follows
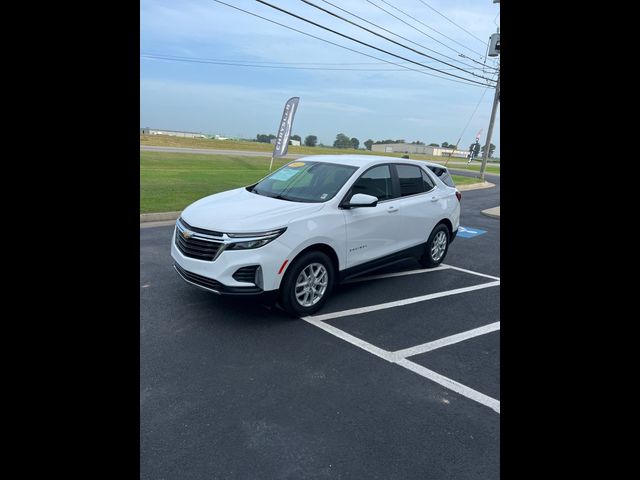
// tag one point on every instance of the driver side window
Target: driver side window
(376, 182)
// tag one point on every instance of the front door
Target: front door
(372, 231)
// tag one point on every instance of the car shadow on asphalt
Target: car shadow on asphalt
(246, 310)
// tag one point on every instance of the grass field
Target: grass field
(170, 181)
(168, 141)
(475, 168)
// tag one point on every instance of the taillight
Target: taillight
(459, 195)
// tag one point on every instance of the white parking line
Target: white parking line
(397, 274)
(397, 303)
(443, 342)
(451, 384)
(421, 270)
(414, 367)
(379, 352)
(471, 272)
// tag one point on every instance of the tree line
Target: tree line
(309, 141)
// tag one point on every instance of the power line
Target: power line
(468, 122)
(288, 67)
(474, 84)
(369, 45)
(474, 111)
(415, 28)
(386, 38)
(451, 21)
(267, 64)
(396, 34)
(431, 28)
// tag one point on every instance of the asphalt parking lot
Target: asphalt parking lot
(397, 377)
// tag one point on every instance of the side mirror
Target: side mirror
(361, 200)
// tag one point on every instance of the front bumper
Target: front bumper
(218, 275)
(213, 285)
(220, 289)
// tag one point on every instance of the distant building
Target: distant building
(295, 143)
(417, 149)
(172, 133)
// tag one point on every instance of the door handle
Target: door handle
(392, 209)
(435, 199)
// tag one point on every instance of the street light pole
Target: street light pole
(496, 99)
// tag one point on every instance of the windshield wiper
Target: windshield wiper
(280, 197)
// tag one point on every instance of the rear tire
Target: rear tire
(437, 247)
(307, 284)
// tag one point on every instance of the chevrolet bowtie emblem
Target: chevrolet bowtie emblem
(186, 234)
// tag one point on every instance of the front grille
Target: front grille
(246, 274)
(200, 230)
(197, 246)
(199, 279)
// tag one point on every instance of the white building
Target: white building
(172, 133)
(417, 149)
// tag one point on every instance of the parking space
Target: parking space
(404, 326)
(475, 364)
(396, 377)
(392, 289)
(442, 285)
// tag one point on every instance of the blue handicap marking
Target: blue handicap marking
(468, 232)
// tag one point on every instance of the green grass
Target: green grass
(171, 181)
(461, 180)
(474, 168)
(169, 141)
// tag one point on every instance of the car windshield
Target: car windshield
(304, 181)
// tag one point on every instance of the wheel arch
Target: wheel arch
(324, 248)
(447, 223)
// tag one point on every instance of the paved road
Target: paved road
(231, 390)
(248, 153)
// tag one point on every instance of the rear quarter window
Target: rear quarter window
(443, 175)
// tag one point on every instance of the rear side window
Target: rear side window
(443, 175)
(426, 180)
(376, 182)
(411, 180)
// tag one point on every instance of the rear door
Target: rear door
(419, 208)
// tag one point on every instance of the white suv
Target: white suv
(315, 222)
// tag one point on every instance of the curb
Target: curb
(475, 186)
(158, 217)
(492, 212)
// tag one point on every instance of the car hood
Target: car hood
(242, 211)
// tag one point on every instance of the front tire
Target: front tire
(437, 247)
(307, 284)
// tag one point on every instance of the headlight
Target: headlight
(254, 240)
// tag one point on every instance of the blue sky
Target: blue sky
(244, 101)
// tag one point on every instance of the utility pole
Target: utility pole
(487, 146)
